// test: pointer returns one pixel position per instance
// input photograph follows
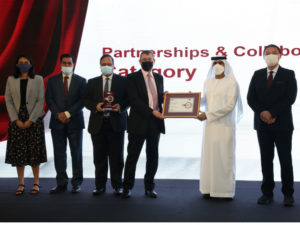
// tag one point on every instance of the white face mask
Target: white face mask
(67, 70)
(106, 70)
(272, 59)
(218, 69)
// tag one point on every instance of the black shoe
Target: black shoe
(288, 200)
(20, 191)
(118, 191)
(35, 191)
(151, 194)
(206, 196)
(265, 200)
(126, 193)
(76, 189)
(98, 191)
(58, 189)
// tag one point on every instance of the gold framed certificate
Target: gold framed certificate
(181, 105)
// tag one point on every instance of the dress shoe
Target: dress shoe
(126, 193)
(98, 191)
(151, 194)
(118, 191)
(288, 200)
(206, 196)
(76, 189)
(58, 189)
(265, 200)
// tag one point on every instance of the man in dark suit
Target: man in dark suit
(145, 123)
(271, 93)
(64, 97)
(107, 128)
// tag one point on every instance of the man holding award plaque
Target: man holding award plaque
(145, 123)
(106, 98)
(223, 108)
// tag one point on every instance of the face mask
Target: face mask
(67, 70)
(24, 67)
(218, 69)
(147, 66)
(272, 59)
(106, 70)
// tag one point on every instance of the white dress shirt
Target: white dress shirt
(109, 81)
(274, 71)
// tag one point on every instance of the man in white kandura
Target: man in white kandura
(223, 109)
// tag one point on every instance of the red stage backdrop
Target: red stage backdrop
(41, 29)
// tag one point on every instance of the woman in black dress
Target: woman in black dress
(24, 97)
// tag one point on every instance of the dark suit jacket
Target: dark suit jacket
(277, 99)
(94, 94)
(140, 112)
(73, 104)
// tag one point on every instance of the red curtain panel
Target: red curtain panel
(41, 29)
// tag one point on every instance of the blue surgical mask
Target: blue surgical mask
(67, 69)
(23, 67)
(106, 70)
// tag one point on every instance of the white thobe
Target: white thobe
(217, 175)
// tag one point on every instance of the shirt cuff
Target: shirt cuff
(208, 116)
(68, 115)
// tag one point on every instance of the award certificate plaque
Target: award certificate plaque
(181, 105)
(108, 100)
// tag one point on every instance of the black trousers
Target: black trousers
(134, 148)
(59, 138)
(283, 141)
(108, 146)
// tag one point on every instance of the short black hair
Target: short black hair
(146, 52)
(108, 55)
(17, 72)
(67, 55)
(272, 45)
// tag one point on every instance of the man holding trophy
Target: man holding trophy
(106, 98)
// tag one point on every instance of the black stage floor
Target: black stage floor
(178, 200)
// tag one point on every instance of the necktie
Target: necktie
(106, 114)
(66, 88)
(106, 84)
(152, 91)
(270, 79)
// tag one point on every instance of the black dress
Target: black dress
(25, 146)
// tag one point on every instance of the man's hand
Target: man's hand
(265, 116)
(27, 124)
(20, 124)
(271, 121)
(157, 114)
(63, 118)
(116, 108)
(99, 107)
(202, 116)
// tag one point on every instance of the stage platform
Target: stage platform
(178, 201)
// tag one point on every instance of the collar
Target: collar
(274, 70)
(145, 73)
(109, 77)
(69, 75)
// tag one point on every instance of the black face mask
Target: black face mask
(147, 66)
